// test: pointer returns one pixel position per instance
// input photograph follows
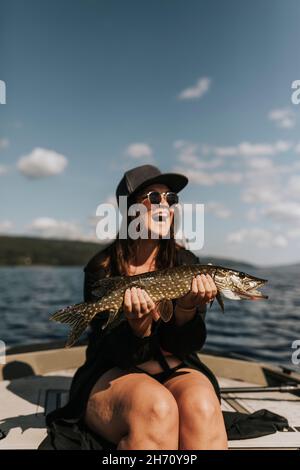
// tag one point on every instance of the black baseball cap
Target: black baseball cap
(141, 176)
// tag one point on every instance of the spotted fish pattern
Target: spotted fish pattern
(163, 286)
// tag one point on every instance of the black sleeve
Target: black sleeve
(119, 341)
(125, 348)
(184, 339)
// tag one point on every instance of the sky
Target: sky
(96, 87)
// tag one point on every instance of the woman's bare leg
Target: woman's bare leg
(201, 420)
(134, 411)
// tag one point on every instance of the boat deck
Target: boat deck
(25, 402)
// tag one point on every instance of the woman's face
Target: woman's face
(158, 218)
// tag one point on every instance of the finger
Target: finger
(127, 305)
(200, 287)
(208, 289)
(143, 302)
(150, 303)
(212, 285)
(135, 302)
(194, 287)
(155, 312)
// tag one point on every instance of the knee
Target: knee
(159, 406)
(162, 409)
(160, 420)
(199, 404)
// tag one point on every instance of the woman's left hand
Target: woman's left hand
(203, 290)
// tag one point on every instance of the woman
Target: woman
(142, 385)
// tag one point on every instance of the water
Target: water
(262, 330)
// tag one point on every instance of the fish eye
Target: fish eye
(242, 275)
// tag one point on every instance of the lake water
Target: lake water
(261, 330)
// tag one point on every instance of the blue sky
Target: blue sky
(202, 87)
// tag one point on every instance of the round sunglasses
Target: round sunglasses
(155, 197)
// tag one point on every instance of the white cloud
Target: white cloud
(284, 212)
(252, 214)
(139, 150)
(197, 91)
(210, 179)
(243, 149)
(218, 209)
(261, 163)
(260, 192)
(4, 143)
(47, 227)
(230, 151)
(293, 186)
(188, 156)
(261, 237)
(6, 226)
(248, 149)
(284, 118)
(293, 233)
(42, 163)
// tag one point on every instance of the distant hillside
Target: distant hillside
(228, 262)
(26, 251)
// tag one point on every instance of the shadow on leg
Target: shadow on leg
(134, 411)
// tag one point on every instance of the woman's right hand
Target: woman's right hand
(140, 311)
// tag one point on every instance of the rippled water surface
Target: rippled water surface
(261, 330)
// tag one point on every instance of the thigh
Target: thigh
(118, 398)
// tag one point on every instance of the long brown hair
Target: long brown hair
(122, 251)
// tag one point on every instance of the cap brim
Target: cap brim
(175, 181)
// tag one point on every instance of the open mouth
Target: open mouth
(252, 294)
(160, 217)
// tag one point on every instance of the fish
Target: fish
(163, 286)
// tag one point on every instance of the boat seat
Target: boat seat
(26, 401)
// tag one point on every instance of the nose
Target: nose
(163, 199)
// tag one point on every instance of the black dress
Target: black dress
(118, 346)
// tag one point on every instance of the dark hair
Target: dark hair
(117, 255)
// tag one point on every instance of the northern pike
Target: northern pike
(162, 286)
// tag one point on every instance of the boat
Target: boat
(36, 379)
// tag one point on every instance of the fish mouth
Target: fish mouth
(251, 294)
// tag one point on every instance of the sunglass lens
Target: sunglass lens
(172, 198)
(154, 197)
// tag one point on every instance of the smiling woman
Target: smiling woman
(142, 385)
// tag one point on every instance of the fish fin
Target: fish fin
(220, 302)
(165, 307)
(229, 294)
(111, 317)
(74, 318)
(77, 330)
(102, 286)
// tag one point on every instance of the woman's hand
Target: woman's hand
(203, 290)
(140, 311)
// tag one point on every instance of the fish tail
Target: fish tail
(76, 318)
